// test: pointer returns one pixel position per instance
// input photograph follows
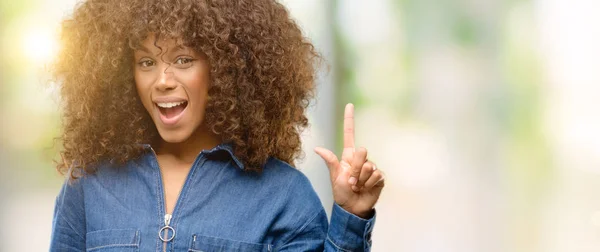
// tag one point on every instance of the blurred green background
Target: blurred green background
(483, 114)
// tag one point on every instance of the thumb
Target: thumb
(330, 159)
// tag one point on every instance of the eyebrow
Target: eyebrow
(177, 48)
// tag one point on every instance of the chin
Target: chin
(171, 136)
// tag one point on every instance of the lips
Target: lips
(170, 109)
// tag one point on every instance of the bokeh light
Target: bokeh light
(39, 44)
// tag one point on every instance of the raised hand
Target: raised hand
(356, 181)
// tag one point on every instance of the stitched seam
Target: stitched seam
(137, 237)
(112, 230)
(65, 219)
(336, 246)
(84, 213)
(113, 245)
(223, 239)
(300, 229)
(72, 228)
(158, 193)
(234, 158)
(365, 240)
(181, 198)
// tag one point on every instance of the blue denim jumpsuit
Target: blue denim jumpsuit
(221, 207)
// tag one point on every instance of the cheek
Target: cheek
(200, 95)
(143, 90)
(198, 83)
(140, 80)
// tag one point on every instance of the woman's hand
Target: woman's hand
(356, 181)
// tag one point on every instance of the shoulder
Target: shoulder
(112, 175)
(279, 168)
(296, 188)
(302, 216)
(287, 176)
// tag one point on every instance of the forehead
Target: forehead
(152, 44)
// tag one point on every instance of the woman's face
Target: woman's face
(173, 87)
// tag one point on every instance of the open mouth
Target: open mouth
(171, 110)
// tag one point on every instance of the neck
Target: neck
(188, 150)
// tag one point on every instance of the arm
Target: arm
(68, 224)
(347, 232)
(356, 184)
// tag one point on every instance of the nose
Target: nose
(166, 80)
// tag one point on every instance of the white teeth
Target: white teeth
(169, 104)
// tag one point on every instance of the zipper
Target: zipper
(168, 219)
(164, 231)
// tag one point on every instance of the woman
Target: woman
(181, 127)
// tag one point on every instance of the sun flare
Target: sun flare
(39, 45)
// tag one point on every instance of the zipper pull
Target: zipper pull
(166, 228)
(168, 219)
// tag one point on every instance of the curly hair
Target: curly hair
(262, 72)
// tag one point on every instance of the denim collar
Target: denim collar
(224, 146)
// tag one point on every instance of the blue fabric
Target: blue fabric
(220, 208)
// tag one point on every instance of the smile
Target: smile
(171, 112)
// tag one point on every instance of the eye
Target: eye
(146, 63)
(183, 62)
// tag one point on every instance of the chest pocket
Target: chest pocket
(113, 240)
(213, 244)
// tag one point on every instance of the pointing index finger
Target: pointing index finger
(348, 131)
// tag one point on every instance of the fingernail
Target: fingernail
(374, 167)
(352, 180)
